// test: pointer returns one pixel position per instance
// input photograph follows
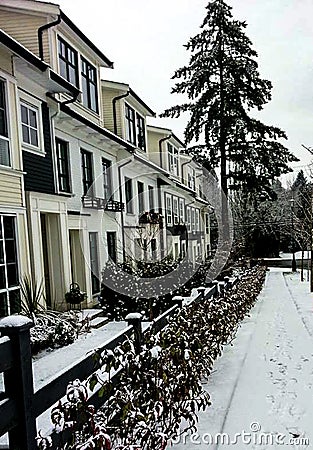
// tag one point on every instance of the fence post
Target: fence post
(178, 300)
(215, 284)
(201, 291)
(135, 320)
(18, 381)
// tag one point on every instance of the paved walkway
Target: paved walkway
(262, 385)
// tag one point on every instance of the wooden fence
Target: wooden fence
(20, 405)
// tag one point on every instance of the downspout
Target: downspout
(40, 33)
(182, 171)
(115, 99)
(160, 148)
(121, 198)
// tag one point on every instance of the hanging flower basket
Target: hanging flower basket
(75, 296)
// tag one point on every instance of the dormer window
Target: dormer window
(135, 128)
(172, 159)
(130, 124)
(89, 85)
(68, 62)
(141, 135)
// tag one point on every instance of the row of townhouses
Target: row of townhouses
(83, 178)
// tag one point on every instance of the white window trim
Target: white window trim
(169, 212)
(8, 114)
(34, 104)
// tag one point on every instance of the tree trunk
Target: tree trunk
(302, 265)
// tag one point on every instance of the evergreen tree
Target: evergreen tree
(223, 86)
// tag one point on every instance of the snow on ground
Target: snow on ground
(264, 382)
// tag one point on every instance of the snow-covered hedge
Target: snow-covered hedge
(162, 385)
(53, 329)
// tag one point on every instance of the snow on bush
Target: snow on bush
(53, 329)
(161, 385)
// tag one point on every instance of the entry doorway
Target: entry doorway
(78, 272)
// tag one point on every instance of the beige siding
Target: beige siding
(23, 28)
(5, 61)
(10, 190)
(153, 146)
(107, 99)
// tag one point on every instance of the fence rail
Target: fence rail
(20, 405)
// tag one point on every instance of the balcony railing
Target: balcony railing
(102, 203)
(152, 218)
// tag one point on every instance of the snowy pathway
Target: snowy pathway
(262, 385)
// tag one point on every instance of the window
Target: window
(181, 211)
(68, 62)
(94, 262)
(111, 240)
(141, 136)
(87, 171)
(193, 221)
(107, 179)
(175, 210)
(9, 276)
(169, 211)
(129, 195)
(172, 159)
(29, 117)
(4, 135)
(207, 224)
(188, 219)
(63, 165)
(151, 198)
(141, 199)
(197, 220)
(130, 124)
(192, 179)
(89, 85)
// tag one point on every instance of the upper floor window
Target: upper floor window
(141, 199)
(129, 195)
(151, 198)
(188, 218)
(175, 210)
(192, 179)
(172, 159)
(87, 171)
(68, 62)
(169, 210)
(207, 224)
(4, 135)
(130, 124)
(181, 211)
(30, 129)
(141, 134)
(89, 85)
(62, 148)
(107, 179)
(197, 220)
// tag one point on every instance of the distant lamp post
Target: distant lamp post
(293, 264)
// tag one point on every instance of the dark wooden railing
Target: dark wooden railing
(20, 405)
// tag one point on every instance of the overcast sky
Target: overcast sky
(145, 40)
